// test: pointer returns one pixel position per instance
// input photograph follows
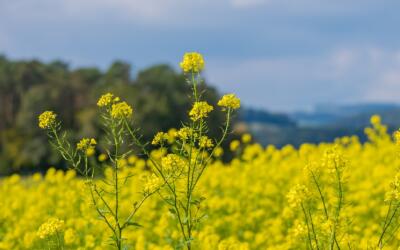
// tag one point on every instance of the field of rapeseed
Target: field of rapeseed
(341, 195)
(250, 203)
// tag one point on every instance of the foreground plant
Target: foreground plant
(181, 164)
(105, 194)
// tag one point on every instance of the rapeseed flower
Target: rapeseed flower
(246, 138)
(121, 110)
(192, 62)
(50, 228)
(172, 163)
(297, 195)
(184, 133)
(107, 99)
(205, 142)
(86, 144)
(229, 101)
(70, 237)
(151, 183)
(200, 110)
(234, 145)
(159, 138)
(47, 119)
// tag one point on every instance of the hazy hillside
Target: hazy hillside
(326, 123)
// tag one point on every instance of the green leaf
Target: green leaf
(135, 224)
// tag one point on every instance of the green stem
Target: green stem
(339, 206)
(308, 226)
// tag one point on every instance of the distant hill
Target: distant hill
(324, 124)
(250, 115)
(326, 115)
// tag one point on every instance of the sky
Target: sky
(280, 55)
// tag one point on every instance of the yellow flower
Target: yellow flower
(70, 237)
(102, 157)
(90, 152)
(205, 142)
(218, 152)
(152, 183)
(172, 163)
(184, 133)
(397, 137)
(87, 145)
(200, 110)
(192, 62)
(29, 239)
(90, 241)
(121, 110)
(234, 145)
(51, 227)
(47, 119)
(159, 138)
(107, 99)
(297, 195)
(229, 101)
(171, 135)
(333, 160)
(246, 138)
(375, 119)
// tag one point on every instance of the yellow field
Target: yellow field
(250, 202)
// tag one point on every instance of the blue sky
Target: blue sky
(282, 55)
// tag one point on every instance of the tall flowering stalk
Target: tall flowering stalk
(321, 201)
(105, 194)
(391, 223)
(183, 162)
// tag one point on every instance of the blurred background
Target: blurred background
(305, 70)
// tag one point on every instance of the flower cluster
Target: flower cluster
(70, 237)
(47, 119)
(50, 228)
(192, 62)
(172, 163)
(151, 183)
(86, 145)
(397, 137)
(107, 99)
(200, 110)
(205, 142)
(184, 133)
(333, 160)
(159, 138)
(121, 110)
(229, 101)
(297, 195)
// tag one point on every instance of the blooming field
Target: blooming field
(265, 198)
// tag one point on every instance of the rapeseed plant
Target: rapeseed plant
(182, 163)
(105, 196)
